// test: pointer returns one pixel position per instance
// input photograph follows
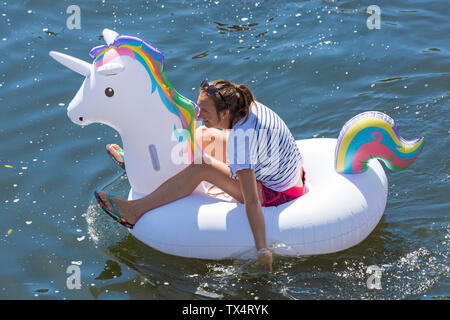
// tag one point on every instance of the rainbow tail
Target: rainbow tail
(371, 135)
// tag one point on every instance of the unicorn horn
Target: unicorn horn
(109, 36)
(74, 64)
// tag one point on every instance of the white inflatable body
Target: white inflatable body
(337, 212)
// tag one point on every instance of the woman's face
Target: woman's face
(208, 112)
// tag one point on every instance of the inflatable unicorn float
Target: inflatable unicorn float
(126, 88)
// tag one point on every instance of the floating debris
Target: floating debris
(432, 49)
(249, 47)
(9, 232)
(352, 10)
(235, 28)
(392, 79)
(50, 33)
(220, 24)
(201, 55)
(261, 34)
(8, 166)
(41, 290)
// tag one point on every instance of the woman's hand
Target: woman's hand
(265, 259)
(253, 200)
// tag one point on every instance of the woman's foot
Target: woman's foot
(116, 152)
(129, 211)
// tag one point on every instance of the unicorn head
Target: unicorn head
(125, 88)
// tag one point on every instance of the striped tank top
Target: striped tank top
(264, 144)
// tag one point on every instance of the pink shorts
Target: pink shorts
(274, 198)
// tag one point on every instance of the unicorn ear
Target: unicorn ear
(109, 36)
(110, 69)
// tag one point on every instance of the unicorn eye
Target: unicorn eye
(109, 92)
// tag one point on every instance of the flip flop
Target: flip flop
(119, 151)
(116, 216)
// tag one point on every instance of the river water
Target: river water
(316, 63)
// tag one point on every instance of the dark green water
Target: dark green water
(314, 62)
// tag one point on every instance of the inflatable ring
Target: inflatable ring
(126, 88)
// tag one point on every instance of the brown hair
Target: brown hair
(238, 98)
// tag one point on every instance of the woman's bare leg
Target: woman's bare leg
(177, 187)
(212, 169)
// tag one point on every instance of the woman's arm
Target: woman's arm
(249, 188)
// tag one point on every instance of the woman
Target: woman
(254, 159)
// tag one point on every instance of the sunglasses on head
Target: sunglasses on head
(212, 90)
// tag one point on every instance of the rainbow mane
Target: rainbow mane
(373, 135)
(153, 62)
